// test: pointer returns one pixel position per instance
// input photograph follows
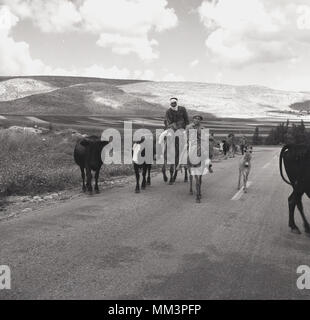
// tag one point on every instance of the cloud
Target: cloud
(144, 75)
(124, 45)
(303, 21)
(171, 77)
(49, 16)
(242, 32)
(123, 25)
(194, 63)
(98, 71)
(15, 58)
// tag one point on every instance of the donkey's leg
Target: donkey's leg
(239, 179)
(245, 182)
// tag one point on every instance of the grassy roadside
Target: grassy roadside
(35, 164)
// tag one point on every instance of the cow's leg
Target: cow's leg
(83, 178)
(291, 205)
(185, 175)
(96, 180)
(89, 180)
(301, 210)
(149, 167)
(144, 170)
(137, 173)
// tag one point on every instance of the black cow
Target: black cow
(296, 160)
(87, 155)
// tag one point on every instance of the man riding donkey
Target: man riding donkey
(176, 119)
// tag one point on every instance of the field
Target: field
(37, 164)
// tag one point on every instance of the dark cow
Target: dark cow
(296, 159)
(87, 155)
(145, 166)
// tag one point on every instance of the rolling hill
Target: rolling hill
(76, 96)
(223, 101)
(45, 95)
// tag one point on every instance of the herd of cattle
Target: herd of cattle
(296, 160)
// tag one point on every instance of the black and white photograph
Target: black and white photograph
(155, 150)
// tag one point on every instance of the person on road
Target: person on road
(243, 144)
(232, 145)
(225, 148)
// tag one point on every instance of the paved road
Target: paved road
(160, 244)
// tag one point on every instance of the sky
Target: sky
(239, 42)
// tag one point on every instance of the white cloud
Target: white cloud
(49, 16)
(303, 21)
(194, 63)
(219, 77)
(244, 32)
(124, 45)
(101, 72)
(15, 58)
(123, 25)
(144, 75)
(173, 78)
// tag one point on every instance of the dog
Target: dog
(245, 167)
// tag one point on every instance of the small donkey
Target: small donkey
(245, 168)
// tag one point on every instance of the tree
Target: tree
(285, 134)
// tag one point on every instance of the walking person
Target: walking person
(243, 144)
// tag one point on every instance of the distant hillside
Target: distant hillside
(62, 81)
(45, 95)
(301, 106)
(224, 101)
(89, 98)
(13, 89)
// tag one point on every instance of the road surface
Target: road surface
(160, 244)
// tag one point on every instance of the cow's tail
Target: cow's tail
(285, 148)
